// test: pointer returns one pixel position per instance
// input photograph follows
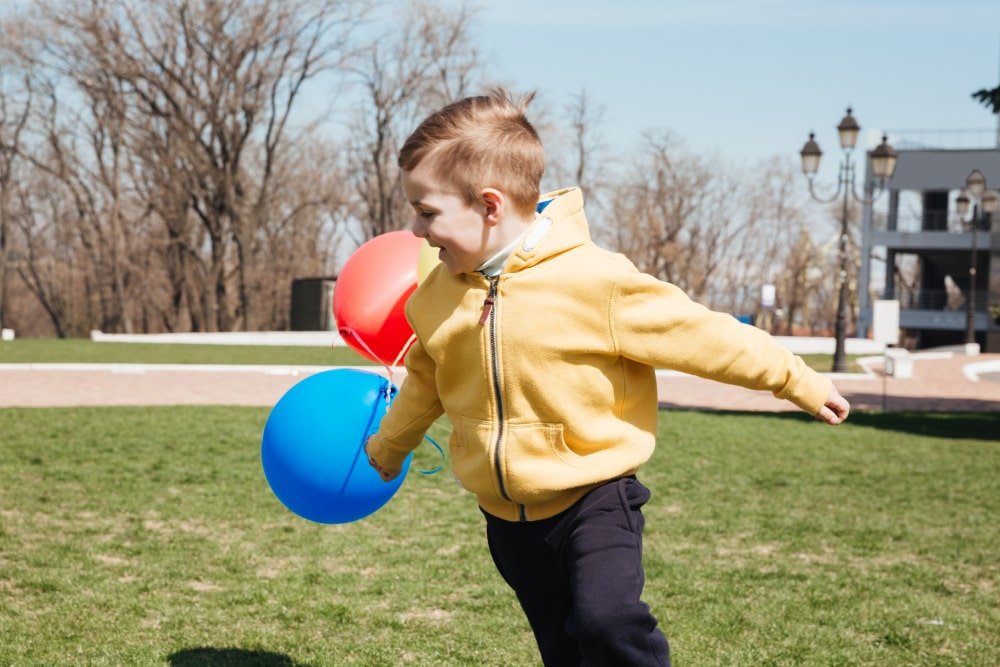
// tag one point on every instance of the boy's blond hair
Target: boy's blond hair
(482, 142)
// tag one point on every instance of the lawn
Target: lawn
(148, 536)
(824, 362)
(50, 350)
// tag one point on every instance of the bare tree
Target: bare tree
(769, 202)
(162, 183)
(677, 215)
(14, 113)
(424, 63)
(181, 190)
(718, 233)
(85, 152)
(585, 119)
(587, 161)
(215, 80)
(795, 280)
(48, 250)
(305, 227)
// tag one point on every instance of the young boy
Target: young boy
(541, 348)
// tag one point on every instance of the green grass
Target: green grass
(148, 536)
(50, 350)
(824, 362)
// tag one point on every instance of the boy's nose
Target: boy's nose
(418, 228)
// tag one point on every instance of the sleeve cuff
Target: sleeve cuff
(811, 392)
(384, 454)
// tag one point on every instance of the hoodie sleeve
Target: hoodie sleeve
(655, 323)
(412, 412)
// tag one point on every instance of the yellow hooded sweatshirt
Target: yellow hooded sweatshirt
(551, 388)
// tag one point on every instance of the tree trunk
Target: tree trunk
(4, 235)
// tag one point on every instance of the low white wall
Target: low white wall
(817, 345)
(974, 370)
(304, 338)
(797, 344)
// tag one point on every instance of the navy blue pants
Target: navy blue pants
(579, 576)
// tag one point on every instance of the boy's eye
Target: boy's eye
(426, 214)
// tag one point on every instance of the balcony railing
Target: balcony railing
(926, 221)
(935, 299)
(929, 221)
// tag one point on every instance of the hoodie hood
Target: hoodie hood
(561, 225)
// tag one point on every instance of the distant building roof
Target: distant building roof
(966, 139)
(944, 169)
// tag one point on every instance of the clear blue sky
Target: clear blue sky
(748, 79)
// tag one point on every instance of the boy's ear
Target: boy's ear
(494, 203)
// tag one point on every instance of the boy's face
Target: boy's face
(459, 231)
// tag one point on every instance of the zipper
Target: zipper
(490, 314)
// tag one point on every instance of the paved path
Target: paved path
(937, 384)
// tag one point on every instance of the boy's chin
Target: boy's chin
(454, 268)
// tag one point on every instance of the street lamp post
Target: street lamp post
(883, 164)
(986, 202)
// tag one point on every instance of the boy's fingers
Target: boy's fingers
(840, 407)
(832, 416)
(386, 475)
(835, 410)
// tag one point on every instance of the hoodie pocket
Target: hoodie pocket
(539, 464)
(470, 446)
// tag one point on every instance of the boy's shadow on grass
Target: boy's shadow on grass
(230, 657)
(951, 425)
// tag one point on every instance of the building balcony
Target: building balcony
(934, 299)
(928, 240)
(929, 230)
(938, 309)
(919, 221)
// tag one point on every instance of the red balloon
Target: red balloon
(371, 293)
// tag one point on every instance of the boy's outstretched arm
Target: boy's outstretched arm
(835, 410)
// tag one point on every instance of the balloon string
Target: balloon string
(437, 468)
(388, 394)
(361, 341)
(387, 390)
(406, 348)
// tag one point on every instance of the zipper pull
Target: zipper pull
(489, 301)
(487, 309)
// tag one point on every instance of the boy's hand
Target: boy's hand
(387, 474)
(835, 410)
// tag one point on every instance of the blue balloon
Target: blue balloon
(312, 450)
